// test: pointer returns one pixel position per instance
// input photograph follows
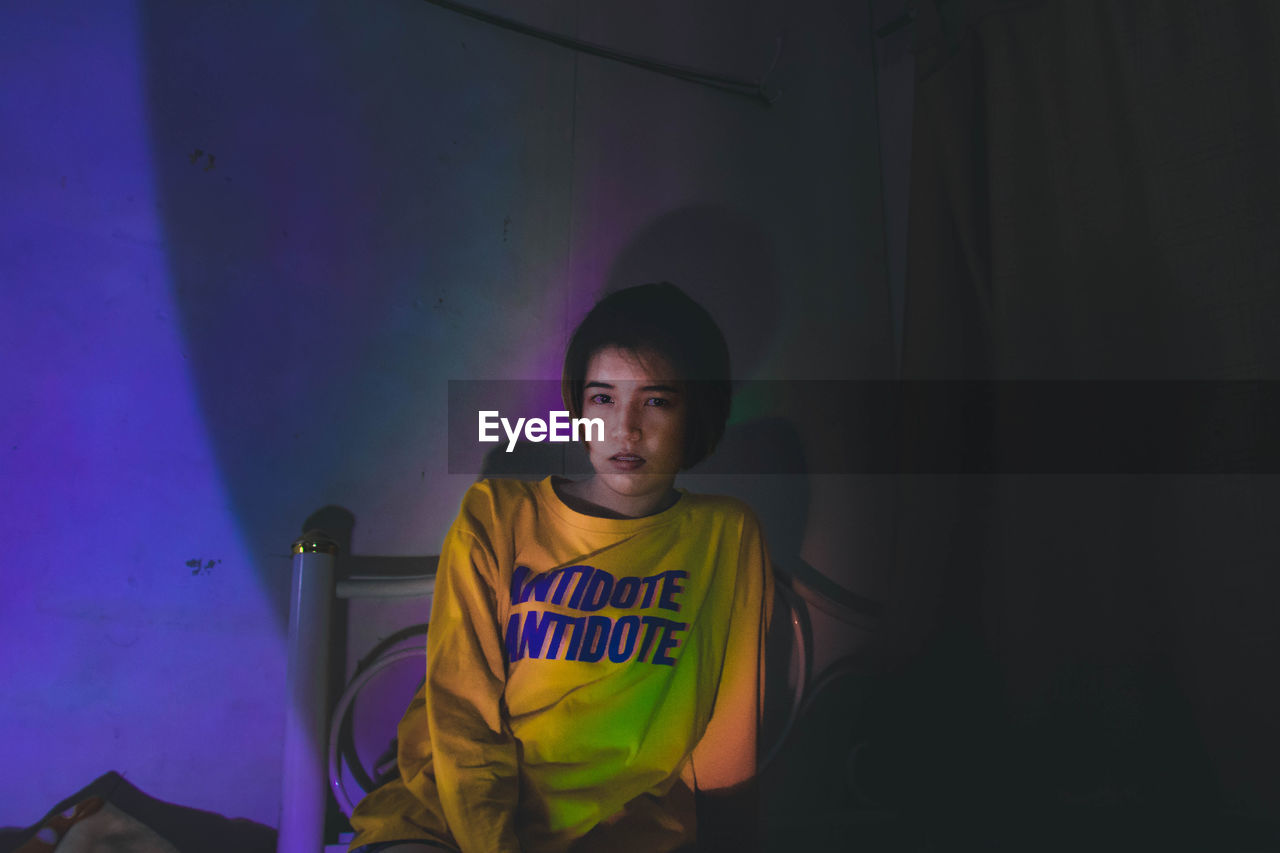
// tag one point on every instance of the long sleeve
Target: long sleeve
(458, 783)
(473, 754)
(725, 757)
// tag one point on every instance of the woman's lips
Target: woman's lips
(626, 461)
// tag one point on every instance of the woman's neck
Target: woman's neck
(590, 498)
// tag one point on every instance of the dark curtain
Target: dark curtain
(1091, 658)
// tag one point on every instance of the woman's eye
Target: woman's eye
(600, 399)
(659, 401)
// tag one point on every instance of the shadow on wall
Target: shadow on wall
(721, 259)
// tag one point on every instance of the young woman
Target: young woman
(595, 650)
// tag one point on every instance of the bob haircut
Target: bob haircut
(660, 318)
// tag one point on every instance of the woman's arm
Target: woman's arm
(458, 777)
(473, 754)
(724, 761)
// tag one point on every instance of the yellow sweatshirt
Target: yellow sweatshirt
(584, 676)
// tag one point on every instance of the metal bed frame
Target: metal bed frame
(312, 762)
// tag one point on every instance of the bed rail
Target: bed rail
(304, 783)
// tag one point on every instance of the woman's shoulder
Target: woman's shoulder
(500, 490)
(724, 507)
(494, 495)
(491, 513)
(487, 500)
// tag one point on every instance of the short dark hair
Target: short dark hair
(660, 318)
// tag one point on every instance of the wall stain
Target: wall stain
(200, 566)
(195, 156)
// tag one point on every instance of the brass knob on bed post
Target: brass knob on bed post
(315, 542)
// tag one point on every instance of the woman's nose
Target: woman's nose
(627, 424)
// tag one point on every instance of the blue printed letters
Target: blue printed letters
(558, 636)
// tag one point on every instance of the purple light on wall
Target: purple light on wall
(127, 586)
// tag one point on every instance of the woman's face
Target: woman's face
(643, 409)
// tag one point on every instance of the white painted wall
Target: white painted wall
(245, 246)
